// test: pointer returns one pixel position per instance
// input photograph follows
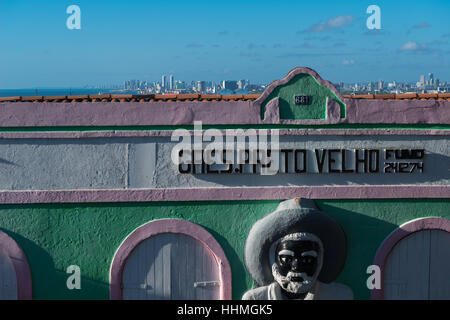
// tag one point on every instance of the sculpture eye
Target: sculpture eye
(308, 260)
(285, 259)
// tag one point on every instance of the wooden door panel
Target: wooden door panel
(440, 265)
(167, 266)
(407, 268)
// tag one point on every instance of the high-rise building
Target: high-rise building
(242, 84)
(436, 83)
(171, 83)
(201, 86)
(381, 85)
(229, 84)
(422, 80)
(163, 81)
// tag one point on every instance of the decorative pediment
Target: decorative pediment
(302, 97)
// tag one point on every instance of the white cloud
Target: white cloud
(337, 22)
(421, 25)
(348, 62)
(421, 48)
(409, 46)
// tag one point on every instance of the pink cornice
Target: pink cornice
(403, 111)
(168, 133)
(20, 263)
(362, 111)
(398, 234)
(169, 226)
(224, 194)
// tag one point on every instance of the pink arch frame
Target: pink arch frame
(398, 234)
(20, 263)
(155, 227)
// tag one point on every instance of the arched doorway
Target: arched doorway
(415, 261)
(170, 259)
(15, 276)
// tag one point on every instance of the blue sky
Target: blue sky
(216, 40)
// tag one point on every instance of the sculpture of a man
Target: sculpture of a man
(289, 251)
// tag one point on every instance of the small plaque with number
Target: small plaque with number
(302, 100)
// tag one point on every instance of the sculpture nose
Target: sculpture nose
(295, 265)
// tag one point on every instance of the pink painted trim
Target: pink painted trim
(168, 226)
(397, 111)
(398, 234)
(168, 133)
(224, 194)
(358, 111)
(21, 266)
(48, 114)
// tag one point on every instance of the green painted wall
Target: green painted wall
(303, 84)
(54, 236)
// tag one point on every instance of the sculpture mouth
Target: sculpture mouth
(297, 279)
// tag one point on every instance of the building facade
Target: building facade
(92, 183)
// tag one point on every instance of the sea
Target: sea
(58, 92)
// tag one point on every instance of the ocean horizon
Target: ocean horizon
(58, 92)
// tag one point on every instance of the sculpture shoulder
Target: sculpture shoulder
(260, 293)
(334, 291)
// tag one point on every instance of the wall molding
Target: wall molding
(223, 194)
(168, 133)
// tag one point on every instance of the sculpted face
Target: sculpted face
(297, 265)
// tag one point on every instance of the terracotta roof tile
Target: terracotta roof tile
(209, 97)
(203, 97)
(54, 98)
(85, 96)
(361, 96)
(165, 97)
(406, 96)
(233, 97)
(35, 98)
(384, 96)
(100, 96)
(10, 99)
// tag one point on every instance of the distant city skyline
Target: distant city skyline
(201, 40)
(424, 84)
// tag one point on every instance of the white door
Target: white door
(8, 282)
(171, 266)
(419, 267)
